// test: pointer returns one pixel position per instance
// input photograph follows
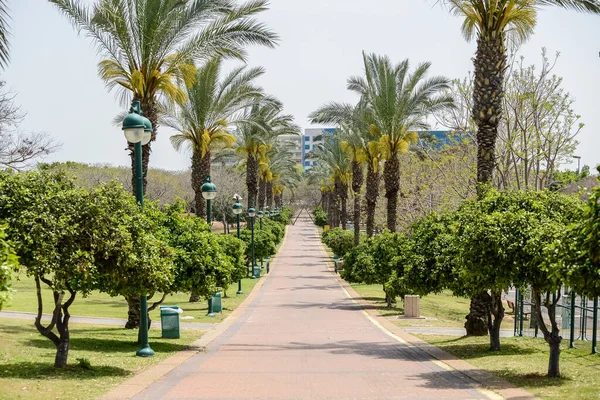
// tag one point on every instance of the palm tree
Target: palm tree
(331, 153)
(399, 101)
(257, 129)
(202, 121)
(492, 24)
(149, 46)
(4, 44)
(352, 121)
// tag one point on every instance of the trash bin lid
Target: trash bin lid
(168, 311)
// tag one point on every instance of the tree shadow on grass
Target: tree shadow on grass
(107, 345)
(531, 379)
(469, 351)
(37, 370)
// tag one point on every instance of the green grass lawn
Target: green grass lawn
(27, 358)
(524, 362)
(102, 305)
(440, 310)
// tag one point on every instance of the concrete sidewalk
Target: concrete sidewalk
(303, 337)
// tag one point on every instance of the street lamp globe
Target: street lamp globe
(237, 208)
(267, 213)
(260, 214)
(147, 131)
(209, 190)
(133, 127)
(251, 212)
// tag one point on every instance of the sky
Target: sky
(53, 69)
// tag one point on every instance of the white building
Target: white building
(309, 142)
(295, 146)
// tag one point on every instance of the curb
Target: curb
(488, 384)
(141, 381)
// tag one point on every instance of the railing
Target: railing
(577, 314)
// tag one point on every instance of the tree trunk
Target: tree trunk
(357, 181)
(391, 177)
(198, 179)
(497, 311)
(133, 312)
(554, 361)
(269, 191)
(62, 353)
(371, 198)
(262, 194)
(479, 310)
(194, 297)
(251, 183)
(344, 205)
(488, 93)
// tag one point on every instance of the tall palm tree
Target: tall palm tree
(149, 46)
(352, 121)
(202, 121)
(4, 43)
(331, 153)
(257, 129)
(399, 102)
(493, 24)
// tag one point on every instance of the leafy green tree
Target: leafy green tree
(264, 243)
(320, 216)
(8, 262)
(503, 238)
(149, 46)
(380, 260)
(76, 241)
(213, 103)
(399, 102)
(338, 240)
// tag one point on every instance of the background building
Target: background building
(309, 142)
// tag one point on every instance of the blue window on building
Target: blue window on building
(307, 138)
(314, 163)
(307, 147)
(307, 163)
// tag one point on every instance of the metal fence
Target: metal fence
(575, 314)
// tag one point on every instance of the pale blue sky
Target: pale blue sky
(53, 70)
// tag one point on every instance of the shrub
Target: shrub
(320, 216)
(264, 243)
(338, 240)
(276, 228)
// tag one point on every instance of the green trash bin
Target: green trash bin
(217, 304)
(256, 272)
(169, 321)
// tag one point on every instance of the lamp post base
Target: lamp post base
(210, 314)
(145, 351)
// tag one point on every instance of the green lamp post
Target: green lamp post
(252, 214)
(237, 210)
(209, 192)
(138, 130)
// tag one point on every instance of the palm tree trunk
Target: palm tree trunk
(391, 176)
(344, 205)
(262, 193)
(198, 178)
(490, 68)
(251, 183)
(371, 198)
(269, 194)
(357, 181)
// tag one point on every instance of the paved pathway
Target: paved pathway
(303, 338)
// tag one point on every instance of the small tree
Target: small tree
(8, 261)
(75, 242)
